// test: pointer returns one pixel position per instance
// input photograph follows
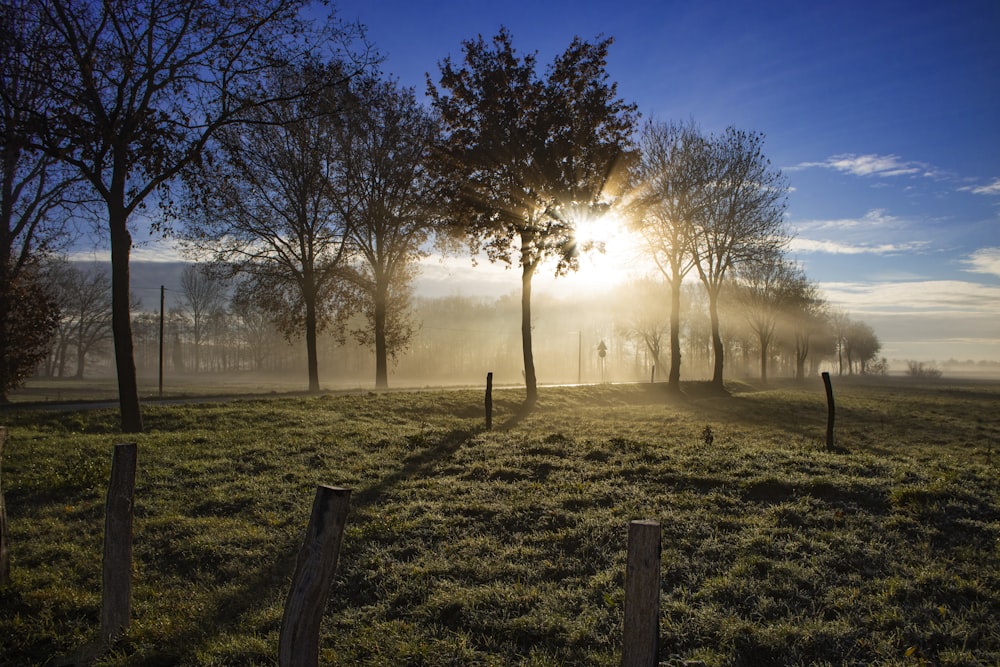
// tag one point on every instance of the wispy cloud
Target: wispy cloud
(877, 218)
(927, 297)
(988, 189)
(870, 164)
(984, 260)
(839, 248)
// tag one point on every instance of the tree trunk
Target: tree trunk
(763, 357)
(121, 321)
(81, 360)
(674, 381)
(718, 350)
(312, 357)
(530, 383)
(4, 315)
(381, 347)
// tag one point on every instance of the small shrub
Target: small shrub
(918, 370)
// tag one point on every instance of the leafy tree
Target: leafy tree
(134, 90)
(390, 201)
(527, 156)
(862, 346)
(204, 295)
(740, 221)
(34, 196)
(265, 208)
(31, 319)
(669, 186)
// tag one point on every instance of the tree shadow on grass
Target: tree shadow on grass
(256, 587)
(418, 464)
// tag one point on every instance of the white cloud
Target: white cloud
(984, 260)
(869, 165)
(989, 189)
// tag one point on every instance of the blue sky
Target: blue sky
(885, 117)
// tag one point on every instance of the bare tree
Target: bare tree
(762, 290)
(840, 321)
(256, 327)
(740, 221)
(204, 295)
(88, 312)
(669, 190)
(385, 192)
(806, 315)
(527, 156)
(134, 90)
(266, 208)
(649, 319)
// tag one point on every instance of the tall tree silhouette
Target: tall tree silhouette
(742, 219)
(135, 89)
(528, 155)
(668, 191)
(384, 190)
(265, 207)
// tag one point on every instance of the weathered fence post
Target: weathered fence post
(4, 549)
(642, 595)
(489, 401)
(652, 375)
(830, 411)
(116, 591)
(298, 645)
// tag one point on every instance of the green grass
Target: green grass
(467, 547)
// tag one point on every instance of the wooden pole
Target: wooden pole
(298, 644)
(161, 341)
(4, 548)
(652, 375)
(642, 595)
(116, 592)
(489, 401)
(830, 411)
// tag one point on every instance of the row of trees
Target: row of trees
(312, 185)
(212, 329)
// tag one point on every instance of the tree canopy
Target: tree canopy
(528, 155)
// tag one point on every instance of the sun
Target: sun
(613, 256)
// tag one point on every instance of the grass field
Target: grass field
(467, 547)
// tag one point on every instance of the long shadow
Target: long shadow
(417, 464)
(257, 585)
(518, 415)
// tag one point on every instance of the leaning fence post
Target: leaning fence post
(642, 595)
(830, 411)
(298, 645)
(116, 591)
(489, 401)
(4, 549)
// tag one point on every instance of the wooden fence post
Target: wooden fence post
(4, 549)
(830, 411)
(298, 645)
(642, 595)
(489, 401)
(116, 591)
